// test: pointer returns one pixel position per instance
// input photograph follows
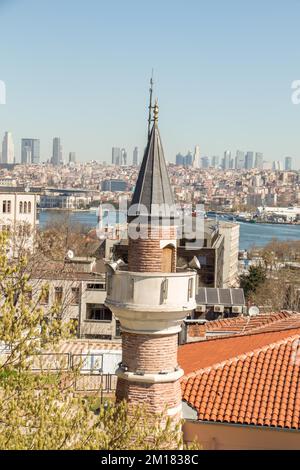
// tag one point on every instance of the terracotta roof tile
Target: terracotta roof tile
(258, 387)
(202, 354)
(266, 322)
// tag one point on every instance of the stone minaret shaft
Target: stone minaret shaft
(151, 299)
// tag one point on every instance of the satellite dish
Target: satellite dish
(70, 254)
(195, 263)
(253, 311)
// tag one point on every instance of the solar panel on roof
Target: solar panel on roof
(238, 297)
(212, 296)
(225, 297)
(201, 296)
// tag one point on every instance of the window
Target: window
(29, 207)
(21, 207)
(25, 207)
(96, 286)
(190, 288)
(75, 295)
(164, 290)
(58, 295)
(118, 329)
(98, 312)
(6, 207)
(106, 337)
(24, 230)
(44, 297)
(6, 228)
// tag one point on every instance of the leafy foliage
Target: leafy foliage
(251, 282)
(41, 410)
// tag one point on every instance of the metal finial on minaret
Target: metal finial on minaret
(150, 106)
(155, 112)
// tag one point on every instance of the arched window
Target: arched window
(167, 260)
(29, 207)
(21, 207)
(25, 207)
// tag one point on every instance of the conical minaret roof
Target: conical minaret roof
(153, 191)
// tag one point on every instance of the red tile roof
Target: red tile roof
(243, 324)
(201, 354)
(289, 322)
(260, 387)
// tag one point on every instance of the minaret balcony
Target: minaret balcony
(151, 303)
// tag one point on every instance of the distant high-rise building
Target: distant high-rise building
(114, 185)
(259, 160)
(8, 149)
(123, 157)
(240, 160)
(179, 159)
(57, 158)
(135, 157)
(72, 157)
(215, 161)
(288, 163)
(188, 159)
(196, 158)
(30, 151)
(116, 156)
(277, 165)
(226, 160)
(205, 162)
(249, 160)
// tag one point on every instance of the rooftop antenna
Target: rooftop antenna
(150, 105)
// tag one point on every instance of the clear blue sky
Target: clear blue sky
(223, 72)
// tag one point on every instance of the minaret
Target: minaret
(151, 299)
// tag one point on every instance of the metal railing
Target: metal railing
(91, 377)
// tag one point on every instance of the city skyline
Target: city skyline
(71, 86)
(30, 154)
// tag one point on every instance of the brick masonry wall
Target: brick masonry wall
(149, 353)
(157, 397)
(145, 254)
(196, 330)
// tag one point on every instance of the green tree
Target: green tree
(253, 280)
(41, 410)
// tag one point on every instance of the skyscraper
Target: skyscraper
(8, 149)
(226, 160)
(259, 160)
(188, 159)
(196, 159)
(240, 160)
(115, 156)
(135, 157)
(179, 159)
(57, 152)
(123, 161)
(205, 162)
(215, 161)
(249, 160)
(30, 151)
(288, 163)
(72, 157)
(276, 165)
